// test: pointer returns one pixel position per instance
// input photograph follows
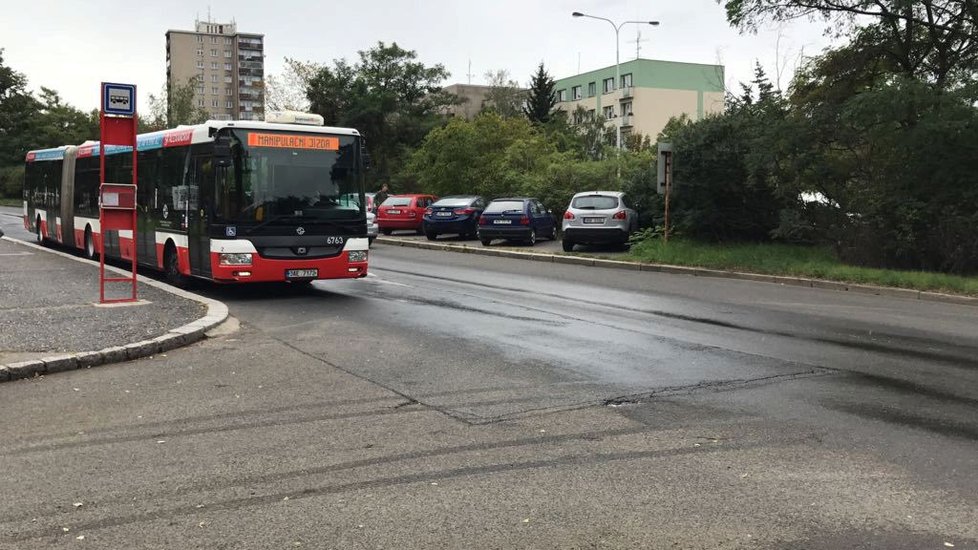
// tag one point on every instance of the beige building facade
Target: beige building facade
(648, 93)
(229, 68)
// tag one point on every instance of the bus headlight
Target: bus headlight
(235, 259)
(357, 255)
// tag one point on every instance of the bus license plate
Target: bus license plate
(502, 222)
(301, 273)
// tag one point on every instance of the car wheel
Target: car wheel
(37, 231)
(89, 244)
(171, 266)
(533, 237)
(370, 240)
(386, 231)
(431, 236)
(568, 245)
(553, 234)
(486, 242)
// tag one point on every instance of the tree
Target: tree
(18, 109)
(287, 92)
(176, 105)
(541, 99)
(505, 96)
(389, 96)
(935, 41)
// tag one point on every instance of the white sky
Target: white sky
(71, 46)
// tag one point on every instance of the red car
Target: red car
(403, 212)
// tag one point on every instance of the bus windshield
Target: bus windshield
(289, 175)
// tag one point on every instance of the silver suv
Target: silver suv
(598, 217)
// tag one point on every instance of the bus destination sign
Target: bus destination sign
(294, 141)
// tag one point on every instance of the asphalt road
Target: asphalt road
(460, 401)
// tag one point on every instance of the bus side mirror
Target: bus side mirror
(222, 150)
(365, 154)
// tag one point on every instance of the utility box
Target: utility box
(664, 166)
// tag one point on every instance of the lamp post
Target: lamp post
(617, 60)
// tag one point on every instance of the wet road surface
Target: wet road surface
(451, 400)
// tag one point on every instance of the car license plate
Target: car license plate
(593, 220)
(393, 211)
(443, 214)
(301, 273)
(502, 222)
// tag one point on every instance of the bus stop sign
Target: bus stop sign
(118, 99)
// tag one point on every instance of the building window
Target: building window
(200, 64)
(213, 53)
(227, 66)
(213, 40)
(213, 78)
(228, 91)
(200, 102)
(626, 108)
(200, 53)
(609, 85)
(227, 53)
(592, 89)
(609, 112)
(576, 92)
(227, 40)
(200, 89)
(214, 103)
(228, 104)
(200, 38)
(626, 80)
(590, 114)
(214, 65)
(213, 90)
(561, 95)
(227, 79)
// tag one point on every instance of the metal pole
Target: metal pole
(617, 87)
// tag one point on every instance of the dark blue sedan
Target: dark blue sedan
(454, 215)
(523, 219)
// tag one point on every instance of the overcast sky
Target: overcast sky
(71, 46)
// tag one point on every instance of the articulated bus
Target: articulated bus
(228, 201)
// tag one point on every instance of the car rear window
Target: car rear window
(503, 206)
(454, 202)
(397, 201)
(595, 202)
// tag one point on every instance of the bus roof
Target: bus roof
(185, 135)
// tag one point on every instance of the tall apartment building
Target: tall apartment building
(649, 94)
(230, 67)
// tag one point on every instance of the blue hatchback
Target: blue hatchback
(456, 214)
(517, 219)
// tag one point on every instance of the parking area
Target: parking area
(543, 246)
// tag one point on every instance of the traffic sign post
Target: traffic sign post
(117, 200)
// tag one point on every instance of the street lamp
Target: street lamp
(617, 61)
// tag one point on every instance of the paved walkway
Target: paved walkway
(48, 307)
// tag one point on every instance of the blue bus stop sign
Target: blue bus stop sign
(118, 99)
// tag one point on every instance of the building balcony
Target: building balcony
(627, 92)
(626, 120)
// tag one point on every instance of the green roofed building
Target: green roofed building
(649, 94)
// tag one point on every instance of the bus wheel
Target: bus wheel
(89, 244)
(171, 266)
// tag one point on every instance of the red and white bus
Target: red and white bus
(228, 201)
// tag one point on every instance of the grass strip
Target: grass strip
(816, 262)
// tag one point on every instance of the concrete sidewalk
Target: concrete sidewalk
(50, 320)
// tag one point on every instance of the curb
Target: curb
(217, 313)
(821, 284)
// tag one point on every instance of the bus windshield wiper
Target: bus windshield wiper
(312, 219)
